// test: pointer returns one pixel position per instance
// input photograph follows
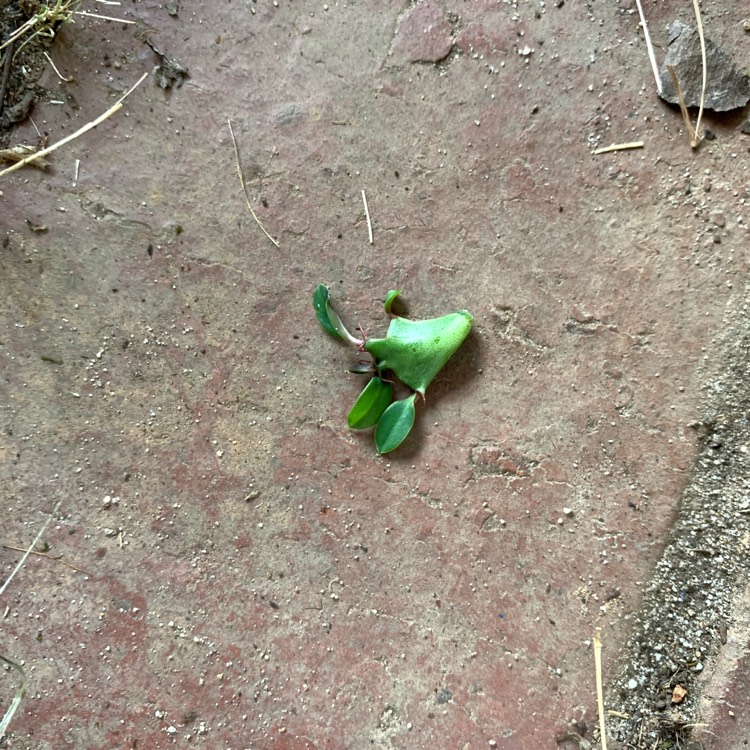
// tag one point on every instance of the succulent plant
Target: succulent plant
(414, 351)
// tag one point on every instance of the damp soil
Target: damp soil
(22, 62)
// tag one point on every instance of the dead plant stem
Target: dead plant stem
(704, 83)
(649, 48)
(30, 548)
(244, 187)
(89, 126)
(48, 556)
(599, 689)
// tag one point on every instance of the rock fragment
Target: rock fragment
(727, 87)
(424, 35)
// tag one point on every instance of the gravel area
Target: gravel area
(694, 597)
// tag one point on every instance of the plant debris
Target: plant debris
(21, 152)
(169, 72)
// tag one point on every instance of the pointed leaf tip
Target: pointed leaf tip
(321, 305)
(395, 424)
(370, 405)
(328, 317)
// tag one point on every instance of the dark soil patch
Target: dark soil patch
(21, 62)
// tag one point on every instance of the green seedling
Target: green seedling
(414, 351)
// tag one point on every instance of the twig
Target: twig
(619, 147)
(599, 690)
(649, 48)
(367, 216)
(48, 556)
(244, 188)
(89, 126)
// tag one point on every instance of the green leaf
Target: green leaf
(370, 405)
(320, 303)
(395, 424)
(389, 298)
(416, 350)
(328, 318)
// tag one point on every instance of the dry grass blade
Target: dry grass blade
(30, 548)
(44, 21)
(17, 698)
(649, 47)
(367, 216)
(244, 187)
(89, 126)
(22, 688)
(694, 132)
(50, 15)
(683, 108)
(48, 556)
(599, 689)
(694, 142)
(102, 18)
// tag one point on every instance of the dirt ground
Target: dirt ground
(228, 565)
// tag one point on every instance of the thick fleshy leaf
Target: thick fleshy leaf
(328, 317)
(416, 350)
(370, 405)
(389, 298)
(395, 424)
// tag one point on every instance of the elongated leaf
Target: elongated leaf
(395, 424)
(328, 317)
(389, 298)
(370, 405)
(321, 305)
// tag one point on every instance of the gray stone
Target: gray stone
(727, 87)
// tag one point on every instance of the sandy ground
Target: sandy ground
(248, 573)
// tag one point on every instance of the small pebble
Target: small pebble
(718, 218)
